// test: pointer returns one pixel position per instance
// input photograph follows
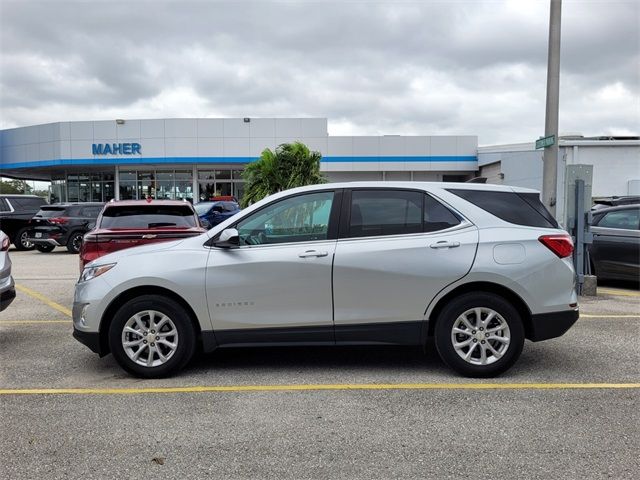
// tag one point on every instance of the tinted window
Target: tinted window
(50, 212)
(302, 218)
(4, 206)
(202, 208)
(151, 216)
(437, 216)
(625, 219)
(385, 212)
(90, 212)
(26, 202)
(510, 207)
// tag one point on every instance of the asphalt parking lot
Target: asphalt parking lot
(569, 408)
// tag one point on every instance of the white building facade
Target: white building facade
(199, 158)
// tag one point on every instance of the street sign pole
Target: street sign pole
(550, 159)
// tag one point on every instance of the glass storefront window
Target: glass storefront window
(146, 185)
(236, 174)
(165, 185)
(128, 190)
(223, 175)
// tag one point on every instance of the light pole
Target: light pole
(550, 159)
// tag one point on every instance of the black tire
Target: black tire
(20, 240)
(45, 248)
(505, 312)
(186, 344)
(75, 242)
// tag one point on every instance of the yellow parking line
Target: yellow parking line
(623, 293)
(43, 299)
(316, 387)
(32, 322)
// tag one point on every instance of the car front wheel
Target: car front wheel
(152, 336)
(479, 334)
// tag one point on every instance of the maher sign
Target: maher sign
(116, 148)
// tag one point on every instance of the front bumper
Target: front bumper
(551, 325)
(6, 297)
(90, 339)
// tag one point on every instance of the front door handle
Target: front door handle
(445, 244)
(312, 253)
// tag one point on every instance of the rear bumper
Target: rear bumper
(44, 241)
(89, 339)
(6, 297)
(551, 325)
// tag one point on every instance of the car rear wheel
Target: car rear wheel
(45, 248)
(479, 334)
(21, 240)
(152, 336)
(75, 242)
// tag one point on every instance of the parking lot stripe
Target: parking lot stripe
(595, 315)
(32, 322)
(624, 293)
(43, 299)
(316, 387)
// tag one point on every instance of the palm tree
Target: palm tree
(290, 165)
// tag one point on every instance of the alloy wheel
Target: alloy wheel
(480, 336)
(149, 338)
(26, 244)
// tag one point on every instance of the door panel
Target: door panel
(271, 286)
(616, 252)
(393, 278)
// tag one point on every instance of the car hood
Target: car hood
(141, 250)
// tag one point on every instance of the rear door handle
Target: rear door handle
(445, 244)
(312, 253)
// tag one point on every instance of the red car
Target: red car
(130, 223)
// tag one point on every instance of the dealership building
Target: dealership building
(196, 158)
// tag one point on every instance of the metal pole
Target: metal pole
(550, 162)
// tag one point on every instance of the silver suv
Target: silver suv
(479, 267)
(7, 287)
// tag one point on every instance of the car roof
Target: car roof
(138, 203)
(73, 204)
(420, 185)
(19, 195)
(616, 208)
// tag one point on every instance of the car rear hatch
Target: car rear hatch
(47, 223)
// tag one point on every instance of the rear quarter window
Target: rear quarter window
(148, 216)
(50, 212)
(517, 208)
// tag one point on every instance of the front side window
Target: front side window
(385, 212)
(303, 218)
(624, 219)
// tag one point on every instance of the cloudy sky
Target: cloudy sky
(370, 67)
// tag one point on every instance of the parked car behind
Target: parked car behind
(62, 225)
(131, 223)
(479, 267)
(616, 201)
(7, 287)
(615, 252)
(15, 213)
(213, 213)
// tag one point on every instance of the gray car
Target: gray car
(479, 267)
(7, 287)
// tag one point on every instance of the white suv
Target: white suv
(7, 287)
(480, 267)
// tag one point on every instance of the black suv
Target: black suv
(15, 213)
(62, 224)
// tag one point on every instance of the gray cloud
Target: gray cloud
(418, 67)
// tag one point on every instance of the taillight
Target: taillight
(5, 244)
(561, 245)
(59, 220)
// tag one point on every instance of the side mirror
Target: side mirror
(229, 238)
(205, 223)
(91, 226)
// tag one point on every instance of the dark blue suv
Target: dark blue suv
(213, 213)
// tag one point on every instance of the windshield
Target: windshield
(148, 216)
(202, 208)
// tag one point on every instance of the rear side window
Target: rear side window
(623, 219)
(518, 208)
(27, 203)
(90, 212)
(148, 216)
(437, 216)
(385, 212)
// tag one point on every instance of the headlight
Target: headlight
(92, 272)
